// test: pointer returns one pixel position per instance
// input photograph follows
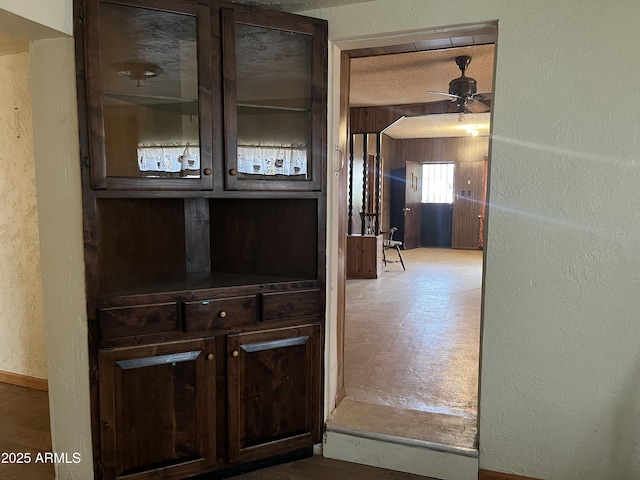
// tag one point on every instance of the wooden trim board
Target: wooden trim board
(417, 459)
(488, 475)
(24, 381)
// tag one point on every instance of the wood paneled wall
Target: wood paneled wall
(467, 204)
(358, 179)
(389, 161)
(468, 153)
(376, 119)
(396, 152)
(423, 150)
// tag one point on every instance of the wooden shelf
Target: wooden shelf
(148, 99)
(193, 282)
(257, 108)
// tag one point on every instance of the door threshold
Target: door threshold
(438, 427)
(418, 457)
(411, 442)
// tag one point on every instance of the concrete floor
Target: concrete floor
(412, 349)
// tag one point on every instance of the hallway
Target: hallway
(412, 349)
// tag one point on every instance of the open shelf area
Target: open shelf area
(150, 245)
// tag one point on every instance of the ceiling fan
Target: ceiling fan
(463, 90)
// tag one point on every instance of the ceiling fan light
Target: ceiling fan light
(472, 130)
(137, 71)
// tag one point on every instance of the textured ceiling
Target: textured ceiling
(406, 78)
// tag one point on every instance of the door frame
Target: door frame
(343, 51)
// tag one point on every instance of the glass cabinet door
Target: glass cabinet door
(149, 115)
(275, 101)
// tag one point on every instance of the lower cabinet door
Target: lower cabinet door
(157, 410)
(275, 391)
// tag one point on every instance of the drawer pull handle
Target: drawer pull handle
(235, 353)
(222, 314)
(207, 171)
(210, 357)
(233, 172)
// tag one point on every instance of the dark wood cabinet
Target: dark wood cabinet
(273, 380)
(160, 74)
(150, 95)
(205, 278)
(157, 409)
(274, 99)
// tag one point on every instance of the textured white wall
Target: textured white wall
(560, 379)
(55, 126)
(22, 338)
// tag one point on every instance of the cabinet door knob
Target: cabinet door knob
(210, 357)
(207, 171)
(235, 353)
(222, 314)
(233, 172)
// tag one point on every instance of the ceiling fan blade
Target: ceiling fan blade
(477, 107)
(445, 94)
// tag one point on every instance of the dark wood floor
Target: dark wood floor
(320, 468)
(24, 428)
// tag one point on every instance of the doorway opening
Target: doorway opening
(409, 341)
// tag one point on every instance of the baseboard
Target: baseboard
(488, 475)
(24, 381)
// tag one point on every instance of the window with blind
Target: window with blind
(437, 182)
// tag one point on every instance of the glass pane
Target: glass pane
(437, 182)
(274, 102)
(150, 92)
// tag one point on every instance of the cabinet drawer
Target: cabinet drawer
(222, 313)
(276, 306)
(139, 320)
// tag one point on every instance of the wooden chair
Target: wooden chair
(387, 243)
